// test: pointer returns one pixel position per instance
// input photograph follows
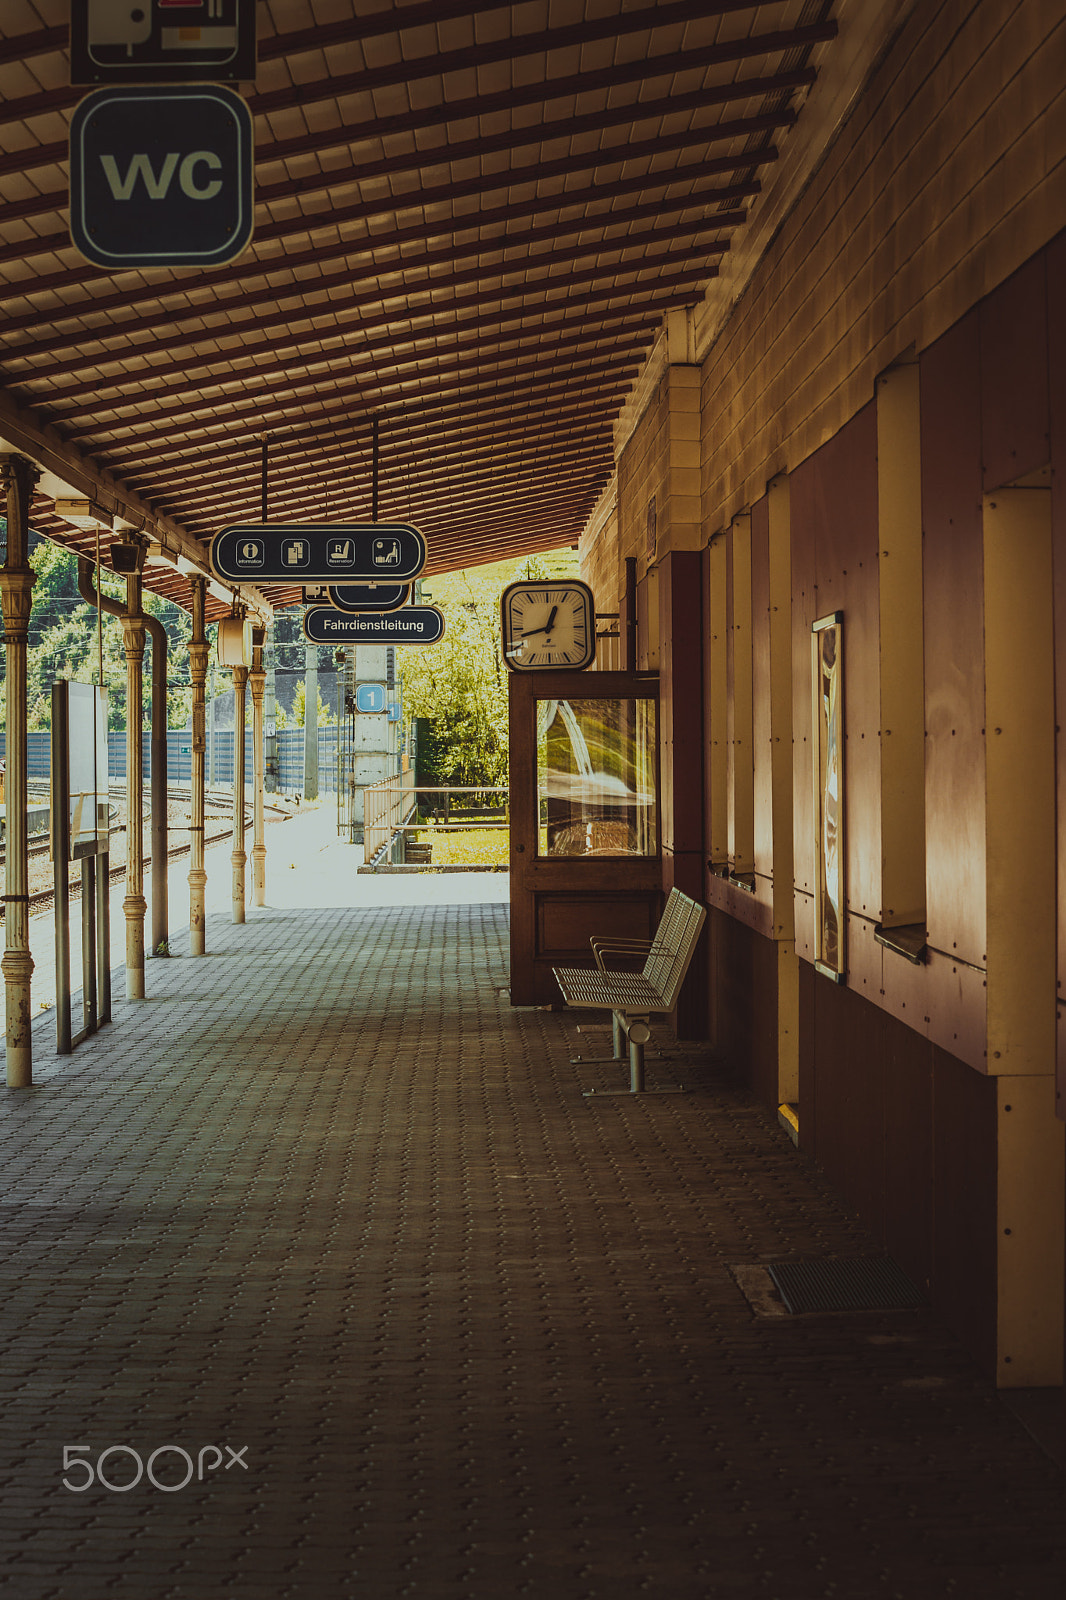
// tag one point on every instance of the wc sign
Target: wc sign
(161, 177)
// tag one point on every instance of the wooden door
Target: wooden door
(585, 819)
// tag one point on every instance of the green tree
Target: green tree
(299, 708)
(460, 685)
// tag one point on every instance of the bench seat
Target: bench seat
(633, 997)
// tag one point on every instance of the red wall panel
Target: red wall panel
(954, 644)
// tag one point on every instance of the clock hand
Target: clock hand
(547, 628)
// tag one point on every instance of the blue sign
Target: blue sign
(370, 697)
(161, 178)
(318, 552)
(409, 625)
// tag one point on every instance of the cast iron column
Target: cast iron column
(238, 855)
(257, 679)
(17, 477)
(134, 905)
(198, 648)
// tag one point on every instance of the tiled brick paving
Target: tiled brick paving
(326, 1196)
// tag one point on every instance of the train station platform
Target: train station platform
(330, 1222)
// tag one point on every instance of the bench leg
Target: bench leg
(636, 1064)
(619, 1047)
(639, 1034)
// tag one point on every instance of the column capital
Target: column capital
(16, 596)
(133, 638)
(19, 473)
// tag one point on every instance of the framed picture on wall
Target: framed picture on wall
(827, 705)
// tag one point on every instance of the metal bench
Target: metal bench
(633, 997)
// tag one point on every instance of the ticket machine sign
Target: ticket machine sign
(319, 552)
(162, 41)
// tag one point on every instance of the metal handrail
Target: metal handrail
(388, 807)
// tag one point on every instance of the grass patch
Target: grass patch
(474, 847)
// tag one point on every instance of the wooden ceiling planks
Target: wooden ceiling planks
(471, 219)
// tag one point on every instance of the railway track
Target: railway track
(39, 846)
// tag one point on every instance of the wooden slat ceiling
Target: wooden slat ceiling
(471, 218)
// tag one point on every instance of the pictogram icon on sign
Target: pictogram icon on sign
(162, 41)
(161, 178)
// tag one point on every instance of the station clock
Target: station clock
(548, 624)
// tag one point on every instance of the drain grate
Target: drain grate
(859, 1283)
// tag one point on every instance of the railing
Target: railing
(392, 806)
(386, 807)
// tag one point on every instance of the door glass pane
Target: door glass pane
(596, 778)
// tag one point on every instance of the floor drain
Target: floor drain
(859, 1283)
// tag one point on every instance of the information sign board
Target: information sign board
(318, 552)
(409, 625)
(161, 178)
(162, 41)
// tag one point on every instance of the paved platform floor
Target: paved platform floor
(329, 1216)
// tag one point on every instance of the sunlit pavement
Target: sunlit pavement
(329, 1281)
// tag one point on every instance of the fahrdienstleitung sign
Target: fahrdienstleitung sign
(409, 625)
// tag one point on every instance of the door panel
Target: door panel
(570, 820)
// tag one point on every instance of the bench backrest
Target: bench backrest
(674, 945)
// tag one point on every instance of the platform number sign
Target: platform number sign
(161, 178)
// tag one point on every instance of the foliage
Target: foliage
(460, 685)
(299, 709)
(63, 643)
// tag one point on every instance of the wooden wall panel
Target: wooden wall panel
(744, 1005)
(1056, 315)
(909, 1178)
(763, 795)
(849, 1103)
(1014, 377)
(803, 485)
(846, 565)
(964, 1220)
(954, 644)
(681, 701)
(715, 705)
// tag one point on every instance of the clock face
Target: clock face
(548, 625)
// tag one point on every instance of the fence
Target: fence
(386, 807)
(290, 746)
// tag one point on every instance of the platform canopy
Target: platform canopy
(472, 219)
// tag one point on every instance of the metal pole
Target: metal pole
(198, 673)
(61, 860)
(18, 478)
(238, 855)
(160, 908)
(311, 722)
(374, 501)
(257, 679)
(134, 905)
